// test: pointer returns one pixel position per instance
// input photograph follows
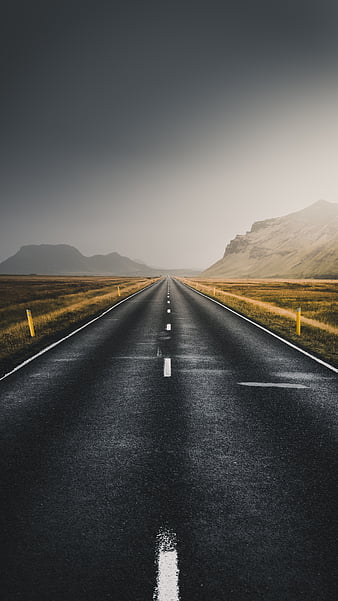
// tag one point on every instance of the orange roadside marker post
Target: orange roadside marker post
(298, 315)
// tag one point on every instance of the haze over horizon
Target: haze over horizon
(159, 130)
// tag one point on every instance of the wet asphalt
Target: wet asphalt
(100, 451)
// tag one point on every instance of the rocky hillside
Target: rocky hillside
(299, 245)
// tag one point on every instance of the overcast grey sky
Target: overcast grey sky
(162, 129)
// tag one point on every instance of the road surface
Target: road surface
(169, 428)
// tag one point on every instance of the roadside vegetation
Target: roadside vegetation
(58, 305)
(273, 303)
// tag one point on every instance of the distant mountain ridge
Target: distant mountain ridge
(299, 245)
(64, 259)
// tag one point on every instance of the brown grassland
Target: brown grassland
(58, 305)
(273, 303)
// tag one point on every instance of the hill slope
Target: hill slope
(299, 245)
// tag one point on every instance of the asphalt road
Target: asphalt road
(130, 428)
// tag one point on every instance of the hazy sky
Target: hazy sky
(162, 129)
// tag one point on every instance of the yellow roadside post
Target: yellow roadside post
(298, 321)
(30, 322)
(118, 291)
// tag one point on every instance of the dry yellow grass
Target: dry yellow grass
(273, 303)
(58, 304)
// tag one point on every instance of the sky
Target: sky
(160, 130)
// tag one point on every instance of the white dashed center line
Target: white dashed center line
(168, 328)
(168, 310)
(167, 568)
(167, 367)
(168, 302)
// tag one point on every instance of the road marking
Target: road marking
(168, 328)
(167, 367)
(168, 302)
(40, 374)
(167, 568)
(300, 375)
(272, 384)
(54, 344)
(133, 357)
(294, 346)
(168, 310)
(66, 359)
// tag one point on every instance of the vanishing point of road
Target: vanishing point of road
(169, 450)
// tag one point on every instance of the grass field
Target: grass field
(273, 303)
(58, 305)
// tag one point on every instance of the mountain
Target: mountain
(299, 245)
(62, 259)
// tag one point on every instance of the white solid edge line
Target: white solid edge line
(50, 346)
(294, 346)
(167, 367)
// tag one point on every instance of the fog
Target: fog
(161, 133)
